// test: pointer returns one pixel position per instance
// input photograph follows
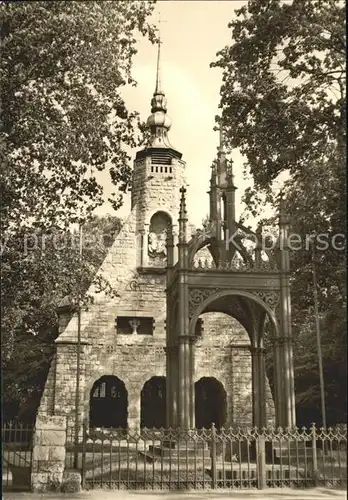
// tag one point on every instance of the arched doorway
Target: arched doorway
(108, 403)
(153, 403)
(210, 403)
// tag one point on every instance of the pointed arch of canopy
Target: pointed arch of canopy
(219, 302)
(206, 237)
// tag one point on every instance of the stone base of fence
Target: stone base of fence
(71, 482)
(49, 451)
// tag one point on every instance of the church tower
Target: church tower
(121, 374)
(158, 175)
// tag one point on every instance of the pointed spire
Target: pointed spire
(224, 166)
(159, 122)
(182, 255)
(221, 159)
(158, 88)
(183, 211)
(221, 141)
(158, 102)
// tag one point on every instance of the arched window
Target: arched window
(108, 403)
(153, 403)
(210, 403)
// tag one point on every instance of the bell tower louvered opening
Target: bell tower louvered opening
(159, 156)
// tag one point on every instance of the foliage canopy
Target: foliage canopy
(283, 105)
(63, 117)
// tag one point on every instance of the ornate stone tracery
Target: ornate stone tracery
(271, 298)
(199, 295)
(248, 289)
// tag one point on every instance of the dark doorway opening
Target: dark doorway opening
(210, 403)
(108, 403)
(153, 403)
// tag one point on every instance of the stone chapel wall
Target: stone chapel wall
(223, 353)
(136, 358)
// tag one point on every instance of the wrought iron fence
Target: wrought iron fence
(17, 445)
(209, 458)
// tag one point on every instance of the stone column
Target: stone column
(182, 417)
(181, 336)
(48, 453)
(187, 420)
(259, 386)
(255, 386)
(169, 394)
(145, 246)
(171, 371)
(171, 386)
(134, 406)
(192, 347)
(186, 383)
(175, 387)
(262, 386)
(175, 243)
(278, 382)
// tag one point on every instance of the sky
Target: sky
(192, 32)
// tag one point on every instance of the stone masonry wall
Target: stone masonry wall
(157, 191)
(48, 453)
(223, 353)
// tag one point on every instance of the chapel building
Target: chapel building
(122, 367)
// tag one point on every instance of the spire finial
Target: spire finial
(221, 139)
(183, 211)
(158, 89)
(158, 122)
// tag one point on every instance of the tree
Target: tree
(31, 294)
(283, 104)
(316, 204)
(283, 93)
(63, 121)
(63, 117)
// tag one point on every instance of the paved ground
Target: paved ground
(269, 494)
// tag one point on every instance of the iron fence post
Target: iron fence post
(213, 456)
(261, 461)
(314, 453)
